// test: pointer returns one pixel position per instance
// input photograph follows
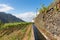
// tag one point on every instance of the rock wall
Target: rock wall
(50, 20)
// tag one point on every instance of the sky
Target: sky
(23, 9)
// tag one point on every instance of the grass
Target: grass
(17, 24)
(13, 31)
(29, 35)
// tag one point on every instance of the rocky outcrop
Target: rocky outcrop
(50, 20)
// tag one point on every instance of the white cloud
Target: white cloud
(28, 16)
(5, 8)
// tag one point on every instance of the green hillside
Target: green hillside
(15, 31)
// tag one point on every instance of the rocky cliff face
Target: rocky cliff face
(50, 20)
(52, 23)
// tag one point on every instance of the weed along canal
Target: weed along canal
(37, 34)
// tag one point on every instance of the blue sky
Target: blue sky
(22, 7)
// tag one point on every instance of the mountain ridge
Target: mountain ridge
(6, 18)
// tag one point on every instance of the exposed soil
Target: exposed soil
(27, 32)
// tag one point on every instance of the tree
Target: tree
(1, 23)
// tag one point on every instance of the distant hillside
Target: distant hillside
(8, 18)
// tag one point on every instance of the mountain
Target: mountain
(6, 18)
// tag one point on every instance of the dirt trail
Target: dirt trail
(27, 32)
(32, 35)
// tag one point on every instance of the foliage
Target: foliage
(21, 28)
(16, 24)
(43, 9)
(1, 23)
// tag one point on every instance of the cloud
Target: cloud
(27, 16)
(5, 8)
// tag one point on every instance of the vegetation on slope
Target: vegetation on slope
(14, 31)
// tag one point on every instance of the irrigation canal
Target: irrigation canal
(37, 34)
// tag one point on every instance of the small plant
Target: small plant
(1, 23)
(43, 9)
(56, 8)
